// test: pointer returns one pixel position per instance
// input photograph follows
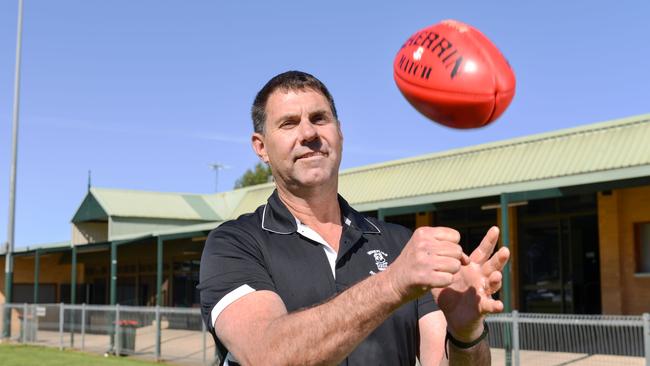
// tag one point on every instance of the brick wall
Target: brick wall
(623, 291)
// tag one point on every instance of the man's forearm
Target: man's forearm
(327, 333)
(477, 355)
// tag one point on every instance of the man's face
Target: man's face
(302, 140)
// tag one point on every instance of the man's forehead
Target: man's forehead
(291, 101)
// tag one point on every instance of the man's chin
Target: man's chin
(313, 180)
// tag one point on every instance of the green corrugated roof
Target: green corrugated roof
(156, 205)
(613, 150)
(600, 152)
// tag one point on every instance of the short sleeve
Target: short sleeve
(232, 265)
(426, 304)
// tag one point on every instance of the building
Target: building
(574, 207)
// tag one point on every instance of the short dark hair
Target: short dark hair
(290, 80)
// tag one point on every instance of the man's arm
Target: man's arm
(257, 329)
(432, 345)
(433, 328)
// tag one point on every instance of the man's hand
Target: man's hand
(430, 259)
(468, 297)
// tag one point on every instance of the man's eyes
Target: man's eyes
(288, 123)
(320, 119)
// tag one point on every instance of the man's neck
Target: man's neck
(313, 207)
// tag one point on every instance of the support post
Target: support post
(113, 294)
(515, 337)
(11, 226)
(203, 331)
(37, 272)
(118, 341)
(61, 313)
(73, 292)
(113, 285)
(381, 214)
(73, 276)
(83, 326)
(23, 339)
(159, 278)
(157, 333)
(646, 337)
(505, 240)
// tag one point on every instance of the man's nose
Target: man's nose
(308, 131)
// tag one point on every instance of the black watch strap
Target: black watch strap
(465, 345)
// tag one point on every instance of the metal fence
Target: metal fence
(569, 339)
(178, 335)
(174, 335)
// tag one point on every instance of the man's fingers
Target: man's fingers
(445, 249)
(488, 305)
(444, 234)
(497, 261)
(485, 249)
(494, 282)
(446, 264)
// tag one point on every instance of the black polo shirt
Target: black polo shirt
(270, 250)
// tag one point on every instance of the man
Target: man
(307, 280)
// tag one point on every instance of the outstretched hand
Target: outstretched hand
(468, 298)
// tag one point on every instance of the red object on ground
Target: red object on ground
(454, 75)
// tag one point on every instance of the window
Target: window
(642, 242)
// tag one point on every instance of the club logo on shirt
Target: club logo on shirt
(380, 260)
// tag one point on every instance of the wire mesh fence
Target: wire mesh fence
(570, 339)
(174, 335)
(179, 336)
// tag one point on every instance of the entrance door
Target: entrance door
(558, 265)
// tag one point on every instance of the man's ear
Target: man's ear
(259, 146)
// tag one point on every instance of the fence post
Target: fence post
(203, 336)
(61, 326)
(24, 325)
(83, 326)
(118, 340)
(515, 337)
(646, 337)
(157, 333)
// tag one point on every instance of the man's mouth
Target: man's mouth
(311, 154)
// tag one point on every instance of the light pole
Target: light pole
(216, 167)
(9, 260)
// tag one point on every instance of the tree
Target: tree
(261, 173)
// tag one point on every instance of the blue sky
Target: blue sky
(147, 93)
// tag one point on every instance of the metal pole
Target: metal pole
(118, 341)
(9, 260)
(515, 337)
(159, 271)
(73, 291)
(157, 333)
(159, 278)
(24, 325)
(113, 273)
(203, 331)
(505, 240)
(83, 326)
(646, 337)
(73, 276)
(61, 326)
(113, 285)
(37, 270)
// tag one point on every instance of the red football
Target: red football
(454, 75)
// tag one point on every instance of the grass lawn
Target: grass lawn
(19, 355)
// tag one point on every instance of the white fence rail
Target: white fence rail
(178, 335)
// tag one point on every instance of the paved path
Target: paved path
(183, 347)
